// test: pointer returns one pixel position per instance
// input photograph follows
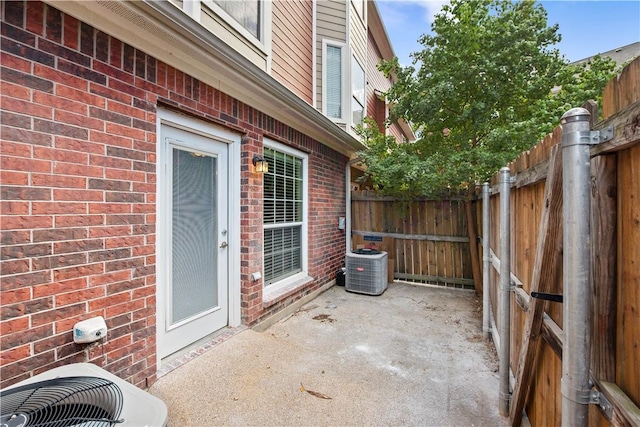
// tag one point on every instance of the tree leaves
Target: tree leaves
(485, 76)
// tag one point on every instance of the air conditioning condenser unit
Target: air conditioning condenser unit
(366, 271)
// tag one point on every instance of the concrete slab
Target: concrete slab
(412, 356)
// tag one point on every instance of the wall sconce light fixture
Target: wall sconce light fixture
(260, 164)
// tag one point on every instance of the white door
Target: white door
(193, 286)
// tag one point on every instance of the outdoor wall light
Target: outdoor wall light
(260, 164)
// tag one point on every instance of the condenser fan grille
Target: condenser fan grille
(62, 402)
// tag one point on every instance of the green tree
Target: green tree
(581, 83)
(480, 95)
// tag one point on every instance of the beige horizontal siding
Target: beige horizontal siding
(292, 50)
(358, 37)
(331, 24)
(332, 30)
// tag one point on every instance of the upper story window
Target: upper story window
(245, 12)
(357, 92)
(243, 25)
(334, 76)
(334, 82)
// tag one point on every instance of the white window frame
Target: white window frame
(345, 79)
(352, 98)
(263, 39)
(291, 281)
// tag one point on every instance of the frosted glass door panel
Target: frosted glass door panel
(194, 235)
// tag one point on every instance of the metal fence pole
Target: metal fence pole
(486, 258)
(505, 289)
(576, 191)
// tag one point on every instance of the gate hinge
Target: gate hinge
(595, 137)
(600, 399)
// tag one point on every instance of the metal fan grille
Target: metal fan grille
(366, 272)
(62, 402)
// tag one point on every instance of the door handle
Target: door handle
(223, 245)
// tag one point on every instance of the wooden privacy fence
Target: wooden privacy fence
(536, 259)
(427, 241)
(435, 242)
(432, 242)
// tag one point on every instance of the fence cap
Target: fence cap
(576, 115)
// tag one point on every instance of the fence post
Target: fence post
(486, 258)
(505, 289)
(576, 193)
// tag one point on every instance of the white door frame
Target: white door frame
(232, 139)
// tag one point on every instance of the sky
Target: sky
(588, 27)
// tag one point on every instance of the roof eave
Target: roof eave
(377, 28)
(139, 23)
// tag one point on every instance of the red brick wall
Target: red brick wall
(78, 202)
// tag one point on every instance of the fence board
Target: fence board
(626, 125)
(615, 287)
(473, 246)
(622, 91)
(603, 266)
(427, 240)
(549, 245)
(628, 301)
(429, 227)
(430, 242)
(626, 411)
(429, 237)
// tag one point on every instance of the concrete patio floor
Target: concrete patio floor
(412, 356)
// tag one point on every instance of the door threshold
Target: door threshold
(180, 357)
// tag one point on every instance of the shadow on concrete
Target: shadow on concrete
(412, 356)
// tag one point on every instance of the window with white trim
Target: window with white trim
(284, 214)
(333, 76)
(244, 12)
(357, 92)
